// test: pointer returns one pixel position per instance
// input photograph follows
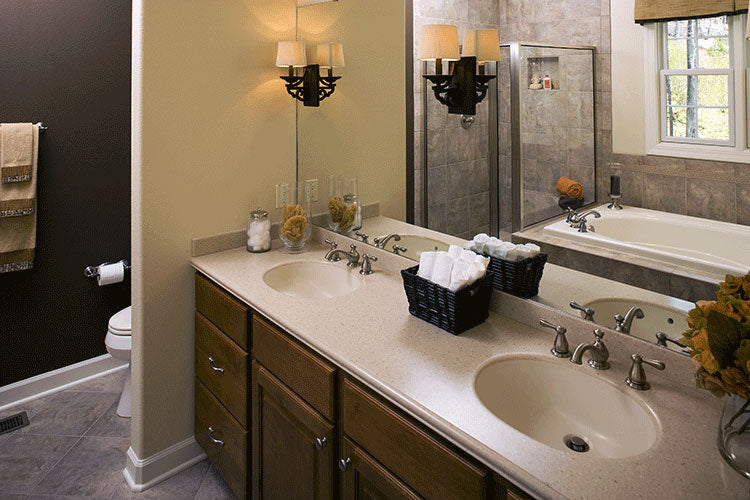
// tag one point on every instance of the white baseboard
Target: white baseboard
(57, 380)
(143, 474)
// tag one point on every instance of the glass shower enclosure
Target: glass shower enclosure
(498, 174)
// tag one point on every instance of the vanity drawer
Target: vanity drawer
(229, 458)
(425, 464)
(303, 371)
(227, 375)
(221, 309)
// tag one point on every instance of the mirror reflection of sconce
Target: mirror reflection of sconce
(466, 83)
(310, 88)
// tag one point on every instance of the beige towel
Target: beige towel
(18, 225)
(16, 151)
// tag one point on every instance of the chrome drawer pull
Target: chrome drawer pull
(212, 438)
(214, 368)
(344, 464)
(320, 443)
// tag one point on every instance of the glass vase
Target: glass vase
(734, 434)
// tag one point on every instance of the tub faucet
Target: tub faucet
(382, 241)
(582, 224)
(599, 352)
(625, 323)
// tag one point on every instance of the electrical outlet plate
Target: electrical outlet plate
(283, 195)
(311, 190)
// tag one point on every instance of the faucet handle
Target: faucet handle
(599, 334)
(334, 245)
(637, 377)
(367, 261)
(363, 236)
(561, 349)
(398, 248)
(588, 312)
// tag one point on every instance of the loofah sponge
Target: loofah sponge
(291, 211)
(347, 218)
(294, 227)
(336, 207)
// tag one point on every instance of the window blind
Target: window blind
(651, 11)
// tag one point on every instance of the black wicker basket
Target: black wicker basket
(518, 278)
(454, 312)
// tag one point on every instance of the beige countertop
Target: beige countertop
(430, 374)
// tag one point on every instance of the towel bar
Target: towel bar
(42, 127)
(93, 271)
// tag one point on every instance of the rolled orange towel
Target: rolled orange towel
(569, 187)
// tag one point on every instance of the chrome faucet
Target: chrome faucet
(334, 254)
(588, 313)
(637, 377)
(367, 261)
(582, 223)
(363, 236)
(625, 323)
(382, 241)
(398, 248)
(572, 218)
(599, 352)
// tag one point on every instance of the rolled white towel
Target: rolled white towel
(480, 241)
(455, 251)
(534, 249)
(467, 256)
(426, 264)
(470, 245)
(482, 261)
(523, 252)
(476, 272)
(492, 246)
(441, 273)
(459, 275)
(507, 251)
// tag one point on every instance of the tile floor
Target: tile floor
(74, 448)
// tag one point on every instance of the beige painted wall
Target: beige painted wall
(361, 129)
(213, 132)
(628, 81)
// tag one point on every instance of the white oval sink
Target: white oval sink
(415, 245)
(313, 280)
(549, 401)
(656, 317)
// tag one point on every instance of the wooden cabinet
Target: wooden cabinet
(293, 445)
(278, 421)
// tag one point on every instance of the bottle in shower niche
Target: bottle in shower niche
(258, 232)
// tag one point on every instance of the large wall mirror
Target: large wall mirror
(392, 166)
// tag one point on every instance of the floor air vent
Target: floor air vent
(14, 422)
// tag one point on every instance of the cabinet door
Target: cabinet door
(293, 445)
(363, 478)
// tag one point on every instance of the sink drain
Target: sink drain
(576, 444)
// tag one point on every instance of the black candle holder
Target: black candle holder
(311, 88)
(462, 89)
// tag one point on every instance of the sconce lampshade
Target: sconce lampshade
(747, 29)
(291, 54)
(329, 55)
(439, 41)
(482, 44)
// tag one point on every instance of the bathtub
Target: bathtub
(700, 244)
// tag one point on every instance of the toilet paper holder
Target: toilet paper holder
(93, 271)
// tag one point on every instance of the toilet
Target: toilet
(119, 343)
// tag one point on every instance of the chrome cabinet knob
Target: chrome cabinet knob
(212, 438)
(320, 443)
(637, 377)
(215, 368)
(344, 464)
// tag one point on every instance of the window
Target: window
(697, 81)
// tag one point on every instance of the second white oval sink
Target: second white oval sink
(312, 280)
(656, 317)
(415, 245)
(551, 402)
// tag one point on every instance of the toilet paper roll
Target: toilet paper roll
(110, 273)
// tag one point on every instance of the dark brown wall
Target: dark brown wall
(67, 63)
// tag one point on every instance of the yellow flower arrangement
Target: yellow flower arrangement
(718, 339)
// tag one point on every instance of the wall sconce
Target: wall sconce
(310, 88)
(463, 88)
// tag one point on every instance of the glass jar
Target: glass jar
(734, 434)
(258, 232)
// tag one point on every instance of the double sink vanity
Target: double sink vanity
(314, 381)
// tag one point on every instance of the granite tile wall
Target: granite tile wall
(457, 158)
(708, 189)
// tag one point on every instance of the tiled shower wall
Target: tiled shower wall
(708, 189)
(458, 166)
(713, 190)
